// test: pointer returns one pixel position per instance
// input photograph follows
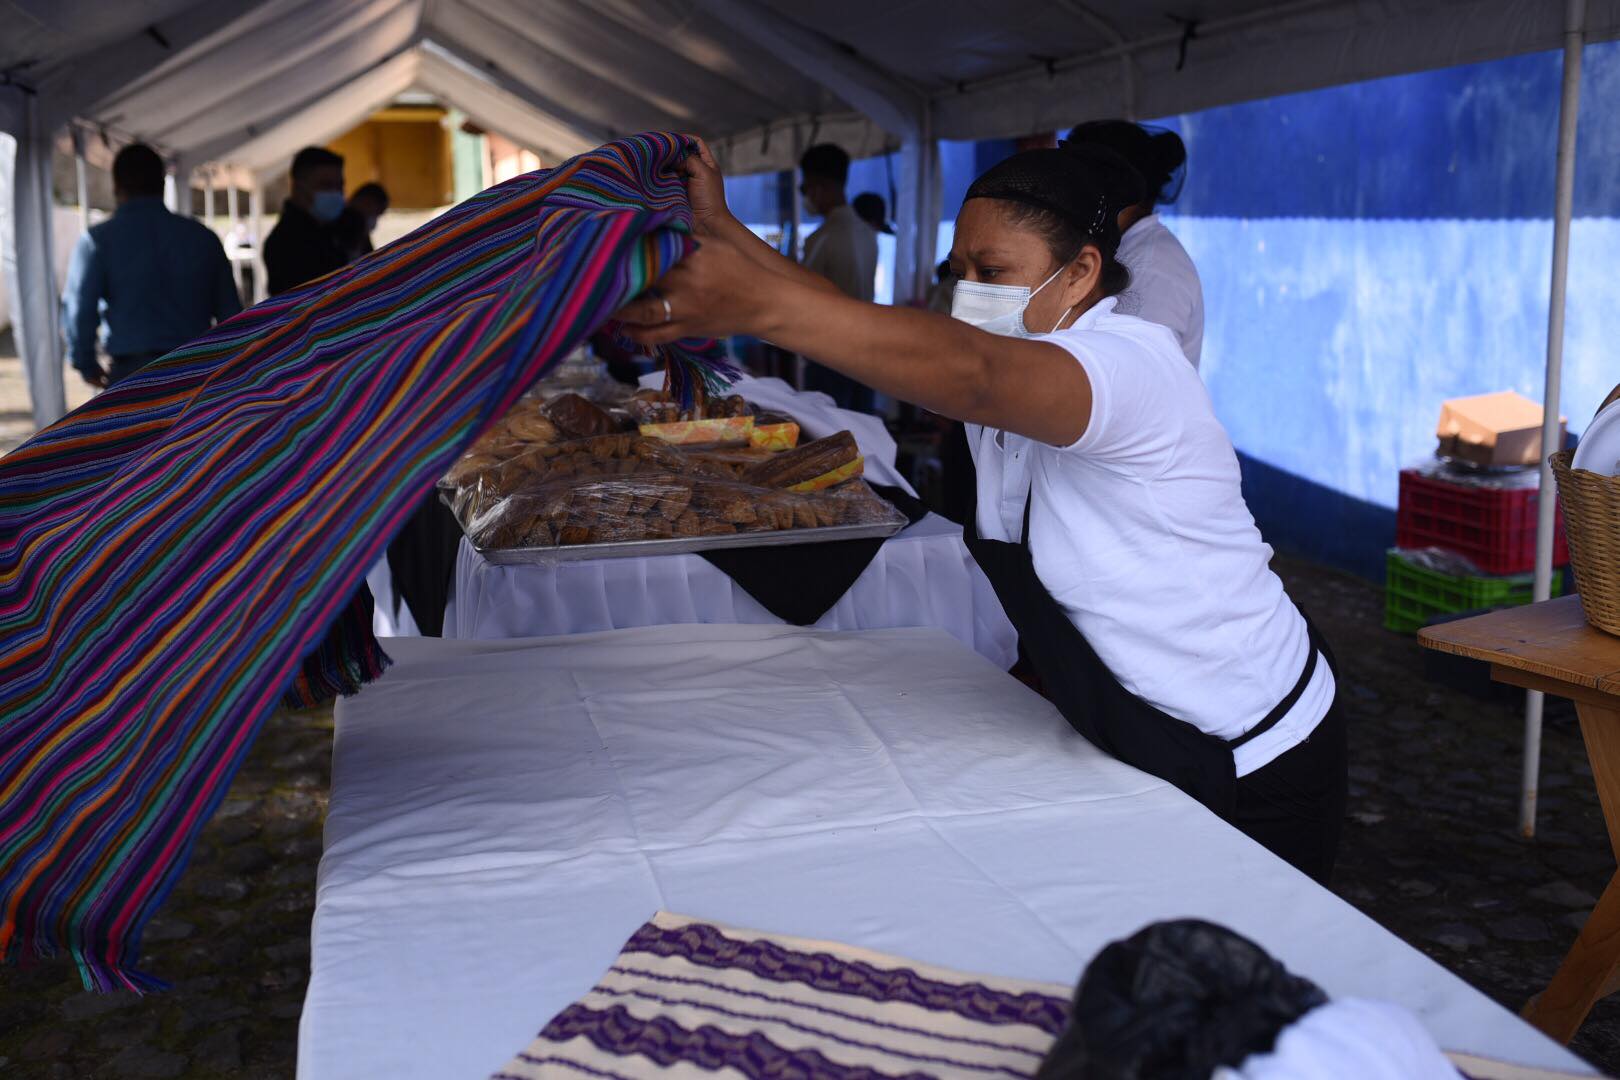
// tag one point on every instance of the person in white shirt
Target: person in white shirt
(844, 251)
(1109, 510)
(1164, 285)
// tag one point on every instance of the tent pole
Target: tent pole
(261, 282)
(796, 236)
(81, 182)
(208, 196)
(1568, 111)
(178, 196)
(796, 252)
(171, 186)
(928, 210)
(26, 262)
(233, 208)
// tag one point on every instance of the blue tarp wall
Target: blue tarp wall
(1369, 251)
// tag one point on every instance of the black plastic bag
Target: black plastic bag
(1176, 1000)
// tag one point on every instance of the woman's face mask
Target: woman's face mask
(999, 309)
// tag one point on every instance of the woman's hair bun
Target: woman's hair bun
(1169, 151)
(1113, 172)
(1155, 153)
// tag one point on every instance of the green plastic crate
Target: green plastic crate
(1413, 595)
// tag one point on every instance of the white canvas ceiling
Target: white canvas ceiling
(203, 80)
(424, 67)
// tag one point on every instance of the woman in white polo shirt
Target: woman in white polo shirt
(1164, 285)
(1109, 512)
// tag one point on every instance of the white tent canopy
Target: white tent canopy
(423, 67)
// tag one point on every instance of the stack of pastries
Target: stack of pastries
(568, 472)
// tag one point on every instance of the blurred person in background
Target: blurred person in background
(940, 292)
(157, 280)
(359, 220)
(1164, 282)
(871, 208)
(304, 244)
(844, 251)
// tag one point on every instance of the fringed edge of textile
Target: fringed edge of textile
(692, 375)
(347, 658)
(94, 974)
(693, 369)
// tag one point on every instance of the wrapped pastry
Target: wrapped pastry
(721, 408)
(723, 431)
(832, 478)
(531, 427)
(578, 418)
(775, 431)
(620, 486)
(727, 462)
(805, 463)
(651, 407)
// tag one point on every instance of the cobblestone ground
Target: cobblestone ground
(1430, 852)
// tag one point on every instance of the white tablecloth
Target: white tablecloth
(921, 577)
(504, 814)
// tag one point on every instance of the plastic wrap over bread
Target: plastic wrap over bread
(625, 487)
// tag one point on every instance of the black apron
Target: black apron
(1092, 700)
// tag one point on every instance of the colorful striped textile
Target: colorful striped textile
(687, 999)
(170, 552)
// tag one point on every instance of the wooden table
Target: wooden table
(1549, 647)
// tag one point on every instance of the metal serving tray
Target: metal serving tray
(680, 545)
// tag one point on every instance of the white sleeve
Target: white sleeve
(1129, 403)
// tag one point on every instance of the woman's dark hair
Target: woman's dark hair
(1066, 240)
(1072, 197)
(1158, 154)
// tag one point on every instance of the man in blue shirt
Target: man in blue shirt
(158, 280)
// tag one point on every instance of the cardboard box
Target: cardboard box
(1493, 429)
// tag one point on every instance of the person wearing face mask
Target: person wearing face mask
(1108, 512)
(359, 220)
(1164, 285)
(304, 244)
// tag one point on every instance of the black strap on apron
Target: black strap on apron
(1092, 700)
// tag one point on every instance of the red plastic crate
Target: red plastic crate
(1494, 527)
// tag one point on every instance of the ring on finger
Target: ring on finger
(669, 313)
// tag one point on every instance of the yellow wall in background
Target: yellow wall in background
(406, 149)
